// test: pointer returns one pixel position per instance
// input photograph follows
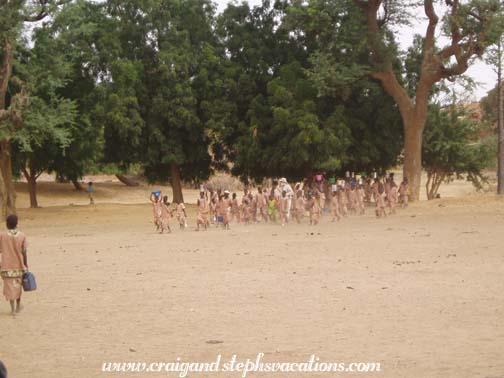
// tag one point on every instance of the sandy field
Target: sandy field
(421, 292)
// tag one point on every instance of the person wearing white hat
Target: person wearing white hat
(285, 186)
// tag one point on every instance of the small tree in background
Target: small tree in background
(453, 149)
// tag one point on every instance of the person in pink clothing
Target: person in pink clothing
(13, 263)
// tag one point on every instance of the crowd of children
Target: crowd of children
(282, 203)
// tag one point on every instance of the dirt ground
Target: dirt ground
(421, 292)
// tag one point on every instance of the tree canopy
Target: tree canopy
(285, 88)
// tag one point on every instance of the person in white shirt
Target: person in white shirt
(285, 187)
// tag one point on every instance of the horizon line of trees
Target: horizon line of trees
(285, 88)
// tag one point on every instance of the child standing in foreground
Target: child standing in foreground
(13, 247)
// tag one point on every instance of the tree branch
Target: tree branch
(474, 43)
(6, 71)
(43, 10)
(430, 37)
(386, 75)
(25, 173)
(396, 90)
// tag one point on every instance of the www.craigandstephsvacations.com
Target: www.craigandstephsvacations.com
(241, 367)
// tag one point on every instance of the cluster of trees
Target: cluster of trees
(285, 88)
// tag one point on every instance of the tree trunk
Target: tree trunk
(32, 189)
(127, 181)
(176, 183)
(500, 123)
(7, 190)
(31, 178)
(412, 169)
(77, 185)
(428, 184)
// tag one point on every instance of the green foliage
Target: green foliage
(48, 124)
(84, 37)
(453, 149)
(163, 99)
(303, 102)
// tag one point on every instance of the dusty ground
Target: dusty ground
(421, 292)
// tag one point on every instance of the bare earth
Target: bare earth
(421, 292)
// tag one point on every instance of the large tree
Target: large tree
(83, 35)
(303, 102)
(13, 16)
(163, 94)
(469, 25)
(48, 121)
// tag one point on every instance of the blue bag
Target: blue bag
(29, 283)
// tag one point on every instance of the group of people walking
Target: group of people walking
(280, 202)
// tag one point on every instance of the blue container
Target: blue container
(29, 283)
(220, 219)
(157, 193)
